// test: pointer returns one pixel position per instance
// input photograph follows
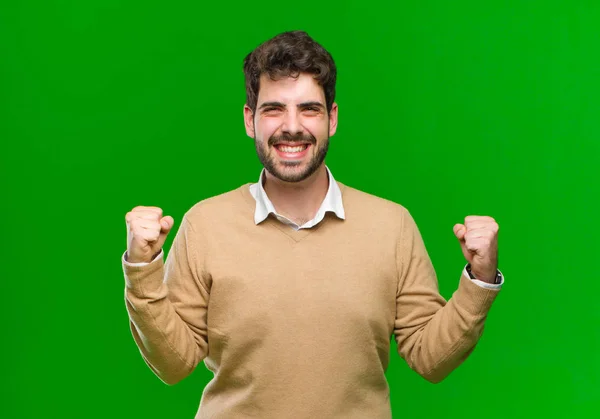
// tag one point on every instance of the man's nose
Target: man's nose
(291, 123)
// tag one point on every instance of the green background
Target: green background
(449, 108)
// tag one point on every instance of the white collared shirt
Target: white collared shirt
(264, 206)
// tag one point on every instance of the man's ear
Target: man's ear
(249, 121)
(333, 119)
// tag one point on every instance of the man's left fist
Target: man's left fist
(478, 239)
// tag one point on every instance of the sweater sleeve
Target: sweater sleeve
(434, 336)
(167, 306)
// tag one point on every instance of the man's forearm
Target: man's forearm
(166, 342)
(441, 341)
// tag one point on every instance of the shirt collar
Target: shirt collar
(331, 203)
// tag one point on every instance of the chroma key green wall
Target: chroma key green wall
(449, 108)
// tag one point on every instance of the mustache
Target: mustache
(288, 138)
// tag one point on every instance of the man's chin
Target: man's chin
(291, 173)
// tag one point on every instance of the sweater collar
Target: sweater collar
(264, 206)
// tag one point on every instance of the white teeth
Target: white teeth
(287, 149)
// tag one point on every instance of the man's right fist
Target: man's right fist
(147, 230)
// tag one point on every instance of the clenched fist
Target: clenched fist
(147, 230)
(478, 239)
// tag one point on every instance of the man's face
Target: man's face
(291, 126)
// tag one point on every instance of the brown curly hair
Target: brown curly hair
(287, 55)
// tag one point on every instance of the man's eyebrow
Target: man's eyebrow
(274, 104)
(311, 103)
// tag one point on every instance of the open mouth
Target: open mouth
(292, 151)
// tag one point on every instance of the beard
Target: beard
(268, 160)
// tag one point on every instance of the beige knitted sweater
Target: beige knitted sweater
(297, 324)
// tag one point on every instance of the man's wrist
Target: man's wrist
(495, 278)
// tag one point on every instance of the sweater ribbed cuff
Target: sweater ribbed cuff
(144, 280)
(473, 298)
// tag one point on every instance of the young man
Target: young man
(290, 289)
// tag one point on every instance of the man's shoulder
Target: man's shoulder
(367, 203)
(227, 204)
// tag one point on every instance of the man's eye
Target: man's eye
(312, 109)
(270, 109)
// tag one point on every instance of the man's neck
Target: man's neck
(298, 201)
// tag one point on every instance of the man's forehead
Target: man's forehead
(290, 89)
